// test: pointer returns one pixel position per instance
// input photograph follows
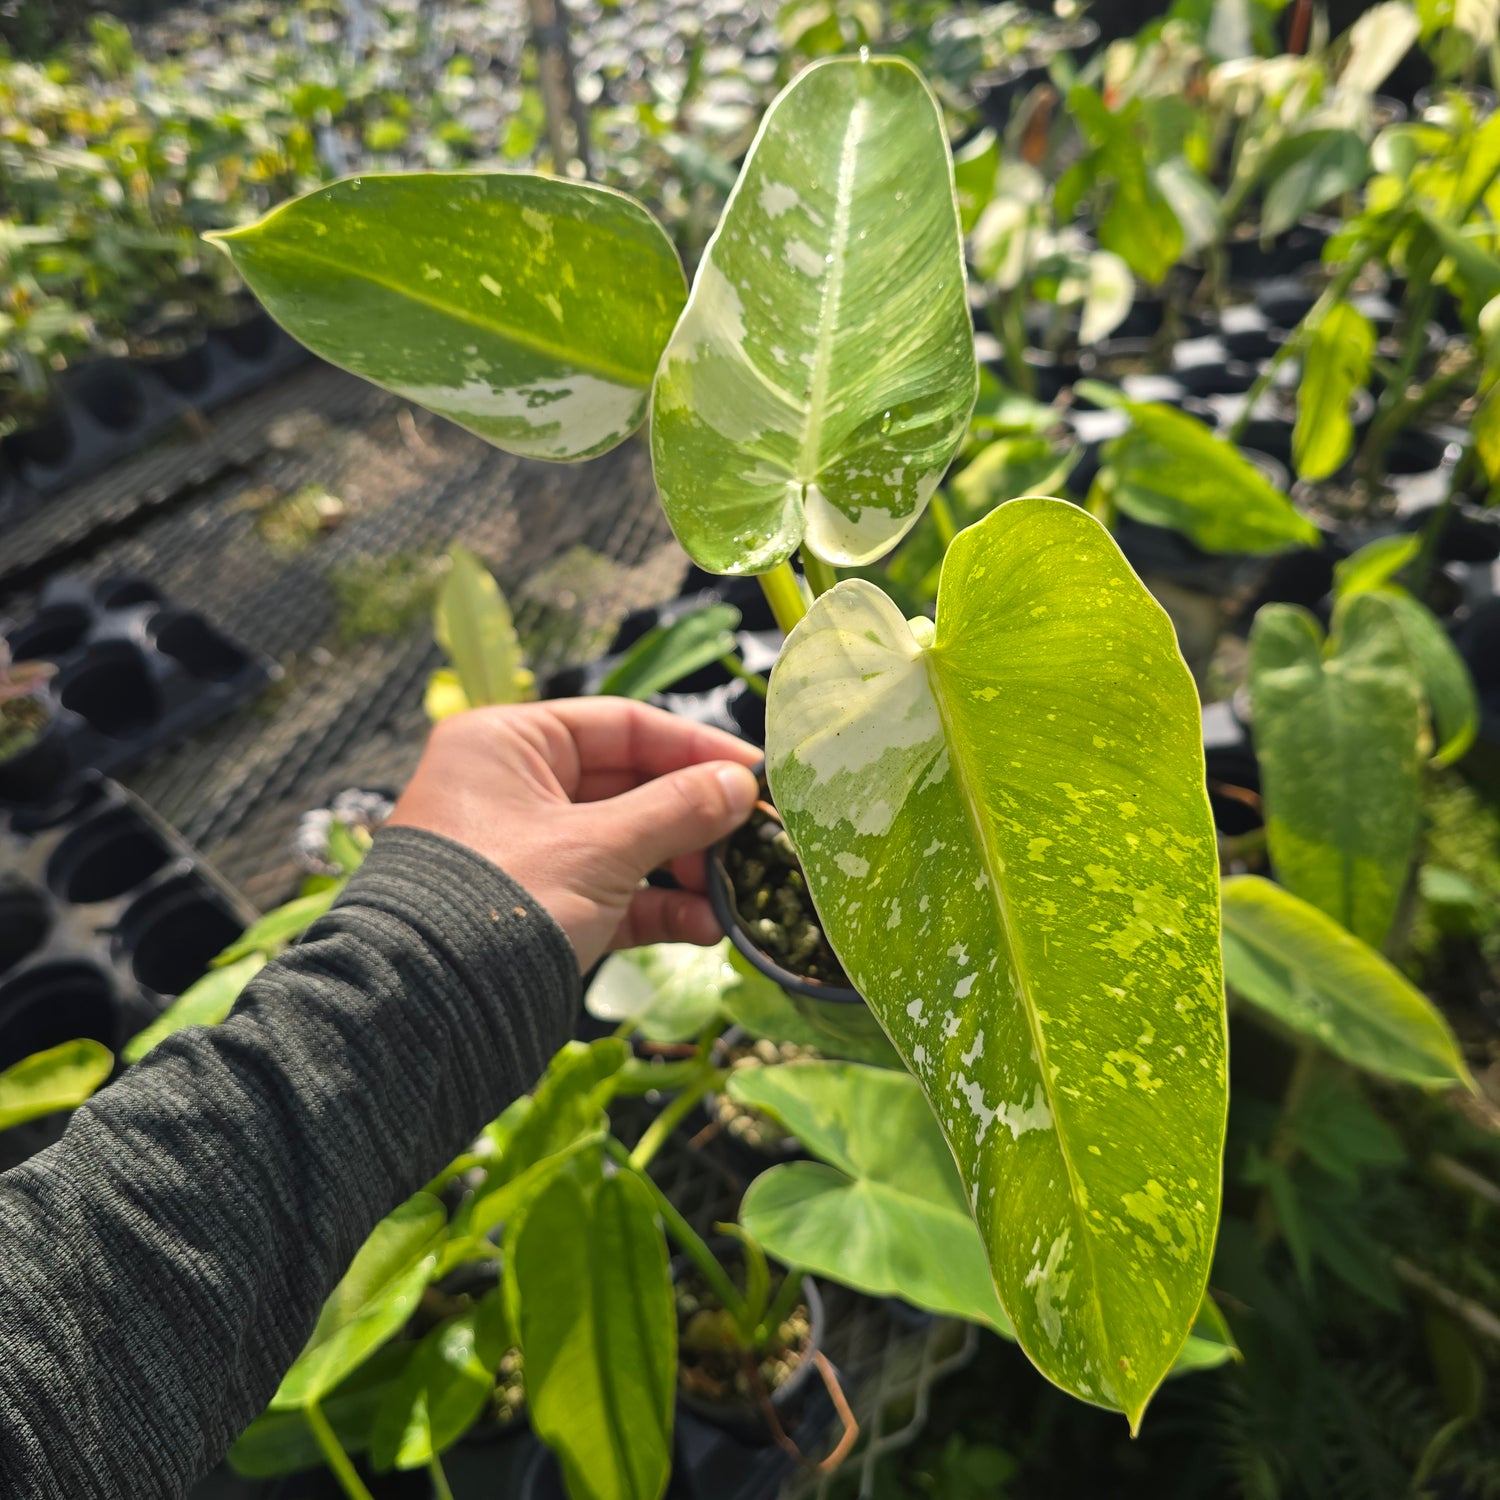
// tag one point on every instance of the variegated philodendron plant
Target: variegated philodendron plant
(1001, 813)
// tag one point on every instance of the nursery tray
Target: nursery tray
(135, 673)
(105, 915)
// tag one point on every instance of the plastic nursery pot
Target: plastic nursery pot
(702, 1371)
(749, 1140)
(105, 857)
(111, 392)
(200, 649)
(728, 891)
(46, 444)
(172, 931)
(113, 690)
(53, 632)
(50, 1003)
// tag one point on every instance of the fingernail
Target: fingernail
(740, 787)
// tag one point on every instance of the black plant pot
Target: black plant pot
(38, 772)
(721, 896)
(746, 1158)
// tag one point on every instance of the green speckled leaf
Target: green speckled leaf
(1337, 738)
(1290, 959)
(823, 373)
(1006, 833)
(62, 1077)
(528, 309)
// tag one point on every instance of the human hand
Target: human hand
(578, 799)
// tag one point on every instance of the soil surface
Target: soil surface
(770, 895)
(22, 721)
(751, 1126)
(711, 1363)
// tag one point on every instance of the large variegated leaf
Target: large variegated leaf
(1006, 833)
(529, 309)
(1337, 737)
(1291, 960)
(823, 373)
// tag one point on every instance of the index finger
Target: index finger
(620, 735)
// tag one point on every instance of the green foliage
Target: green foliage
(1337, 364)
(783, 411)
(206, 1002)
(529, 310)
(1285, 955)
(473, 625)
(598, 1331)
(1336, 733)
(668, 653)
(670, 992)
(61, 1077)
(911, 765)
(1309, 169)
(1170, 470)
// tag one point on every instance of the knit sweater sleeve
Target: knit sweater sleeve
(164, 1263)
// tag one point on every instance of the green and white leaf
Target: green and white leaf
(1375, 564)
(588, 1272)
(823, 372)
(529, 309)
(1006, 833)
(1337, 364)
(206, 1002)
(1337, 738)
(1170, 470)
(473, 625)
(61, 1077)
(1287, 957)
(372, 1302)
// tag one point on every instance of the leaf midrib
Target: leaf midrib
(591, 365)
(994, 867)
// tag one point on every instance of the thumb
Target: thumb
(676, 814)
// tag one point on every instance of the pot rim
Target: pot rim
(721, 898)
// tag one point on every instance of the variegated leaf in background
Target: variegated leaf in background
(823, 373)
(1006, 832)
(529, 309)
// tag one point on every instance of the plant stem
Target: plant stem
(440, 1485)
(788, 1295)
(1296, 340)
(942, 518)
(687, 1237)
(671, 1117)
(783, 593)
(820, 575)
(333, 1453)
(1432, 532)
(753, 680)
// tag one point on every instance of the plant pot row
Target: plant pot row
(135, 674)
(106, 409)
(103, 917)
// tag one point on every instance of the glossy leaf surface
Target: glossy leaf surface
(473, 625)
(1308, 170)
(529, 309)
(204, 1003)
(1005, 830)
(1337, 363)
(1287, 957)
(62, 1077)
(443, 1388)
(1337, 739)
(668, 653)
(372, 1301)
(598, 1325)
(670, 991)
(823, 372)
(1170, 470)
(280, 926)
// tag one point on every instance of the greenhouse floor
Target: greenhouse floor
(307, 521)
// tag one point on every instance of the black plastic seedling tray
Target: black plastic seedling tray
(104, 917)
(135, 674)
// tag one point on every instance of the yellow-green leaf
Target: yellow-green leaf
(62, 1077)
(1337, 364)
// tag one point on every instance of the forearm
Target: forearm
(163, 1264)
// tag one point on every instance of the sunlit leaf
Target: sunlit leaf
(1306, 171)
(598, 1326)
(1337, 740)
(204, 1003)
(62, 1077)
(281, 925)
(371, 1303)
(531, 310)
(1290, 959)
(1375, 564)
(669, 991)
(473, 625)
(1005, 830)
(1337, 364)
(975, 166)
(823, 372)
